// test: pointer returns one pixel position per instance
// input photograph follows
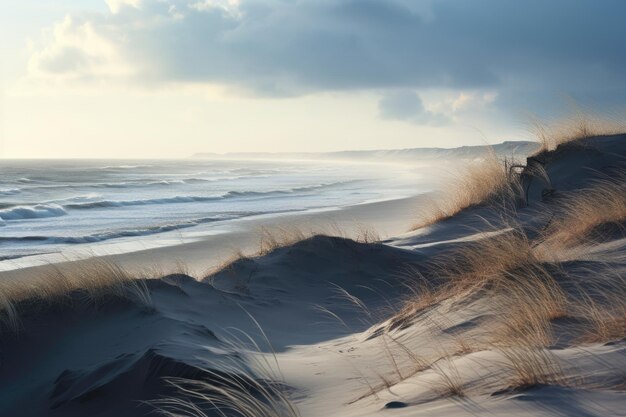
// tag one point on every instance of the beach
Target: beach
(52, 211)
(502, 294)
(201, 253)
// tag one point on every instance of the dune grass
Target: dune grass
(480, 181)
(490, 179)
(573, 129)
(248, 384)
(526, 289)
(272, 239)
(235, 393)
(90, 281)
(583, 213)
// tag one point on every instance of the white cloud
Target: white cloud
(117, 5)
(229, 6)
(472, 100)
(291, 48)
(75, 49)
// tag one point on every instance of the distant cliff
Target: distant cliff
(510, 148)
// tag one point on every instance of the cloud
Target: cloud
(116, 5)
(530, 52)
(78, 50)
(408, 106)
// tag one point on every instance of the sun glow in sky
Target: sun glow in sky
(168, 78)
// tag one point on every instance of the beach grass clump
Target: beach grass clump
(604, 323)
(525, 306)
(450, 381)
(524, 344)
(274, 238)
(584, 213)
(248, 384)
(90, 281)
(575, 128)
(480, 181)
(235, 393)
(465, 271)
(600, 304)
(280, 237)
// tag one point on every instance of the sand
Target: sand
(324, 315)
(200, 253)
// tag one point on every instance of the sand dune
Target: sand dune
(484, 312)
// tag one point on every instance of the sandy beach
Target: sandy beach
(201, 253)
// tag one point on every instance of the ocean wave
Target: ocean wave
(194, 199)
(305, 188)
(10, 191)
(125, 166)
(121, 185)
(149, 201)
(32, 212)
(56, 208)
(137, 183)
(115, 234)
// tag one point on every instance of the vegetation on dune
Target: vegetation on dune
(272, 239)
(89, 281)
(527, 277)
(499, 182)
(575, 128)
(487, 179)
(584, 214)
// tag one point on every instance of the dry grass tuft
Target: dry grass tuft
(271, 239)
(479, 182)
(450, 382)
(525, 307)
(576, 128)
(248, 384)
(280, 237)
(604, 325)
(600, 304)
(235, 393)
(585, 211)
(365, 234)
(530, 366)
(490, 179)
(94, 279)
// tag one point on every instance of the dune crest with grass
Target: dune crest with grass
(506, 298)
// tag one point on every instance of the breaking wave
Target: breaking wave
(32, 212)
(193, 199)
(113, 234)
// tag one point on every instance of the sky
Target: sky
(169, 78)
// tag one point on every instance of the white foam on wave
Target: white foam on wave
(149, 201)
(10, 191)
(115, 234)
(32, 212)
(194, 199)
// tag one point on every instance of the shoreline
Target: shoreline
(200, 253)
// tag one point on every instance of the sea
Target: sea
(53, 206)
